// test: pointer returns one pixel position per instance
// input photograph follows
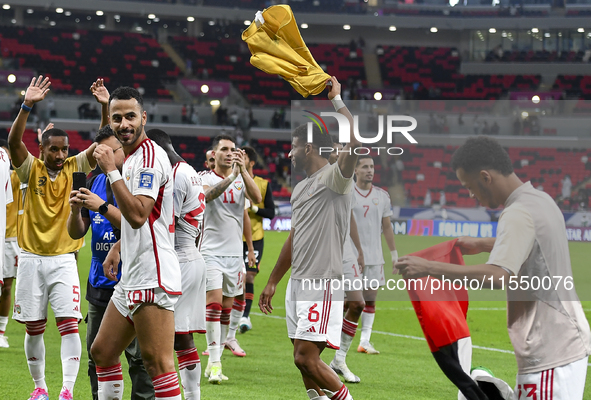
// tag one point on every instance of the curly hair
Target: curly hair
(480, 153)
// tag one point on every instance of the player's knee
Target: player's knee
(97, 355)
(305, 364)
(157, 365)
(356, 307)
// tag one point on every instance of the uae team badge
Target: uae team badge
(375, 201)
(238, 185)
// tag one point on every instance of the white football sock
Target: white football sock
(367, 319)
(190, 378)
(235, 316)
(35, 352)
(347, 335)
(110, 382)
(71, 351)
(212, 333)
(3, 323)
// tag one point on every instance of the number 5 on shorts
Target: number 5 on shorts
(313, 315)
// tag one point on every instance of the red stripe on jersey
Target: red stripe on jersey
(368, 193)
(154, 216)
(541, 386)
(152, 154)
(552, 385)
(134, 150)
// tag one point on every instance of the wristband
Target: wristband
(26, 107)
(337, 102)
(114, 176)
(394, 254)
(254, 209)
(231, 177)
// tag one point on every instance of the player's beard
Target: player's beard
(136, 135)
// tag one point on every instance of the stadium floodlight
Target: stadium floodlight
(492, 30)
(22, 92)
(151, 16)
(99, 13)
(6, 6)
(392, 28)
(581, 30)
(59, 10)
(377, 96)
(13, 21)
(211, 23)
(190, 19)
(102, 26)
(156, 19)
(204, 89)
(30, 11)
(11, 78)
(547, 34)
(246, 22)
(52, 23)
(215, 103)
(535, 30)
(346, 27)
(68, 13)
(524, 114)
(535, 99)
(138, 28)
(433, 29)
(304, 26)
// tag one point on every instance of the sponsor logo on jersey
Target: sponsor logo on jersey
(146, 180)
(375, 201)
(42, 181)
(238, 185)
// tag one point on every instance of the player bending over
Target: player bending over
(548, 328)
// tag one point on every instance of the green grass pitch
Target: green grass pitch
(405, 370)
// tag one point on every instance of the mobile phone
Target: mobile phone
(79, 180)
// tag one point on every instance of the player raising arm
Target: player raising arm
(48, 251)
(321, 212)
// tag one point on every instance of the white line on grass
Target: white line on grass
(401, 336)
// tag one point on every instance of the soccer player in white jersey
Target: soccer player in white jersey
(226, 188)
(352, 275)
(144, 299)
(189, 312)
(547, 326)
(372, 212)
(321, 211)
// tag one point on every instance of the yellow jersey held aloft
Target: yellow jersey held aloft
(278, 48)
(256, 221)
(42, 228)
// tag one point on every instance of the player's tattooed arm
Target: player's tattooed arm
(36, 92)
(215, 191)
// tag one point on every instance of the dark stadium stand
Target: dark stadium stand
(70, 57)
(429, 168)
(433, 72)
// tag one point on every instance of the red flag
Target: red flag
(442, 314)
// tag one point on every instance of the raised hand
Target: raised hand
(335, 89)
(99, 91)
(40, 132)
(37, 90)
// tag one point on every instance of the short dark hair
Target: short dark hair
(104, 133)
(251, 153)
(319, 139)
(127, 93)
(364, 157)
(160, 137)
(3, 143)
(480, 153)
(50, 133)
(218, 138)
(335, 139)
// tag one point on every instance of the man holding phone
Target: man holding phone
(47, 254)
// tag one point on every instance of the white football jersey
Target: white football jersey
(189, 205)
(224, 218)
(147, 254)
(371, 206)
(5, 198)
